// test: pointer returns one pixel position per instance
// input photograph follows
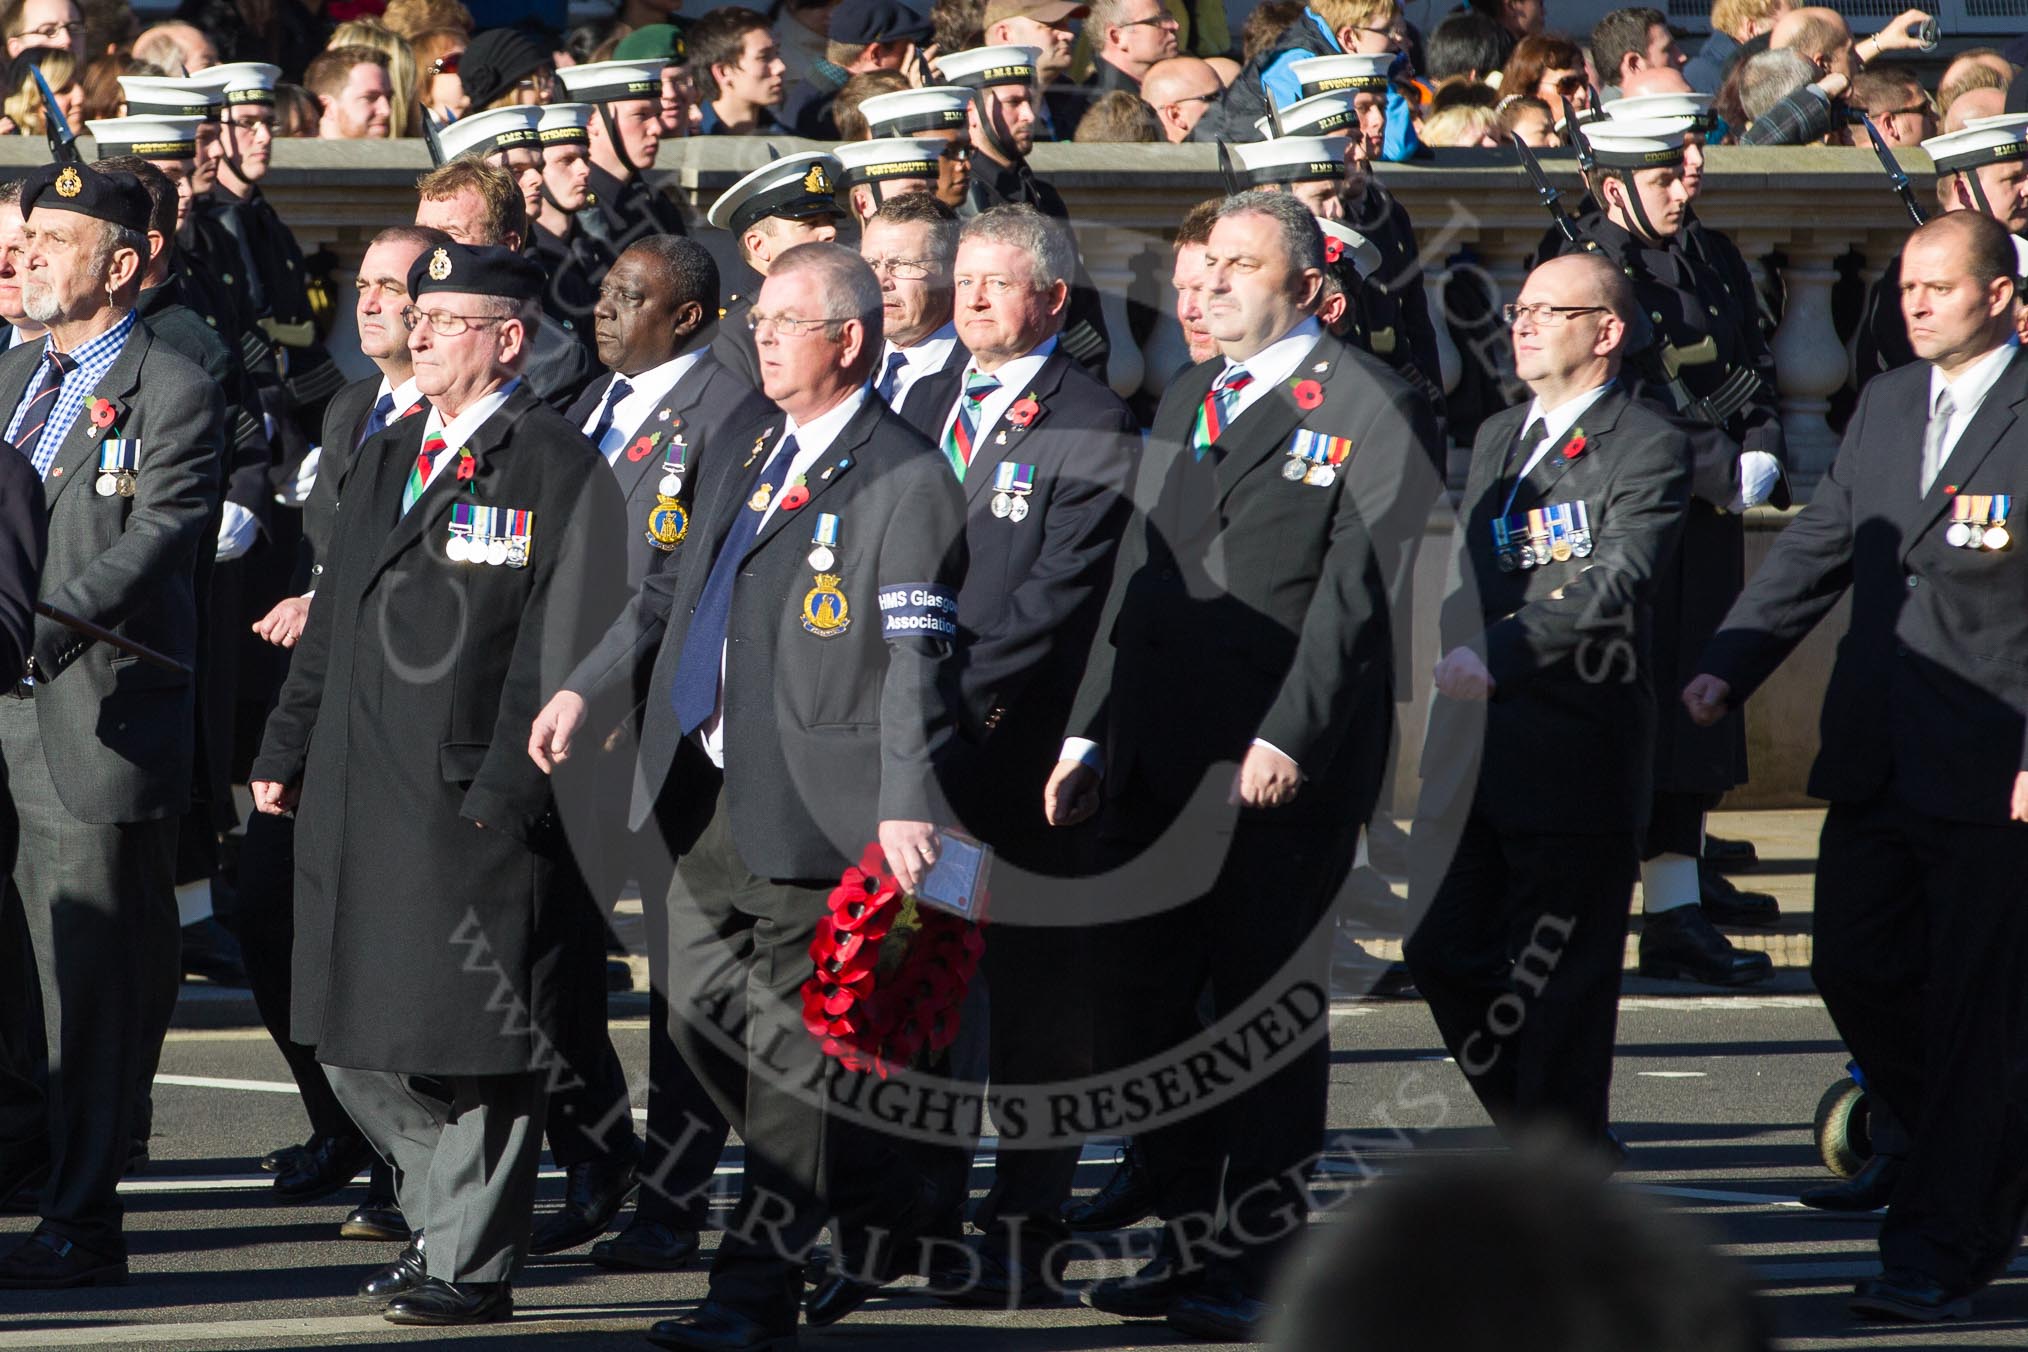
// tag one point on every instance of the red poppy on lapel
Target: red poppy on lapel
(468, 465)
(1951, 490)
(1575, 446)
(102, 412)
(1025, 410)
(1309, 394)
(642, 445)
(797, 495)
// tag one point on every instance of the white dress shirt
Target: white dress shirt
(1969, 389)
(1015, 378)
(647, 392)
(1557, 422)
(463, 427)
(1273, 365)
(813, 443)
(918, 361)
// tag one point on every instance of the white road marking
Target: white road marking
(211, 1082)
(1716, 1195)
(270, 1330)
(1673, 1074)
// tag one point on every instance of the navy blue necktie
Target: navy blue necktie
(695, 691)
(37, 411)
(615, 392)
(891, 376)
(376, 419)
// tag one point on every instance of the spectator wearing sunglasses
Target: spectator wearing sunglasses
(1179, 90)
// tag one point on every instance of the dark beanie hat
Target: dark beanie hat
(496, 61)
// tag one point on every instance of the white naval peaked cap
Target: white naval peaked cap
(980, 67)
(1613, 151)
(1365, 253)
(1354, 72)
(1957, 151)
(1319, 115)
(564, 124)
(494, 129)
(243, 81)
(161, 96)
(1291, 159)
(1641, 128)
(151, 138)
(1997, 122)
(796, 186)
(1642, 106)
(887, 158)
(932, 108)
(613, 81)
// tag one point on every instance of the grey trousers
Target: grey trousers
(464, 1166)
(96, 907)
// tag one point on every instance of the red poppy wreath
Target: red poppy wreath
(890, 976)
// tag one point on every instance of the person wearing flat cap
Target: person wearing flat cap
(866, 35)
(624, 134)
(475, 554)
(125, 436)
(770, 211)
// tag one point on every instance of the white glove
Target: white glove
(297, 491)
(1759, 472)
(237, 531)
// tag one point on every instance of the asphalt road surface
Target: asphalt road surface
(1715, 1096)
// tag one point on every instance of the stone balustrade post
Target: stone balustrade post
(1810, 361)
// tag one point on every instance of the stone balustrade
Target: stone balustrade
(1795, 214)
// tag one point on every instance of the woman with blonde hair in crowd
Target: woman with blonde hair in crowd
(412, 18)
(1461, 124)
(401, 68)
(102, 96)
(23, 105)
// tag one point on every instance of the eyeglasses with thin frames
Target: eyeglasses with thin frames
(1546, 316)
(445, 323)
(787, 325)
(902, 269)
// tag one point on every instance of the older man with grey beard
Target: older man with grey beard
(125, 437)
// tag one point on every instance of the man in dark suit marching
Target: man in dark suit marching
(476, 552)
(795, 702)
(1921, 938)
(1571, 509)
(125, 436)
(1252, 618)
(336, 1148)
(910, 243)
(662, 408)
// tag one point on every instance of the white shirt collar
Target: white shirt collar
(930, 351)
(1972, 384)
(653, 385)
(1278, 361)
(461, 429)
(1014, 376)
(405, 395)
(814, 438)
(1557, 421)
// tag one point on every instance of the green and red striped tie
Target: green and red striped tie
(1217, 410)
(419, 473)
(964, 427)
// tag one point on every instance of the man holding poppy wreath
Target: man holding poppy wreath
(1252, 619)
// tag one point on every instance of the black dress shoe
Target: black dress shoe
(1387, 847)
(405, 1273)
(1725, 904)
(1725, 853)
(20, 1185)
(328, 1164)
(1867, 1190)
(282, 1160)
(837, 1296)
(713, 1327)
(619, 976)
(440, 1302)
(45, 1261)
(1000, 1280)
(1148, 1294)
(1220, 1318)
(1908, 1296)
(593, 1193)
(646, 1246)
(1680, 945)
(374, 1222)
(1127, 1197)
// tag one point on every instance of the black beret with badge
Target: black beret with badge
(106, 195)
(476, 270)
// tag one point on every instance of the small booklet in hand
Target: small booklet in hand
(957, 881)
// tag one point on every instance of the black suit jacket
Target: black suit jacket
(1245, 605)
(1929, 696)
(405, 718)
(1034, 587)
(24, 538)
(825, 737)
(1569, 644)
(119, 734)
(928, 399)
(344, 419)
(701, 408)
